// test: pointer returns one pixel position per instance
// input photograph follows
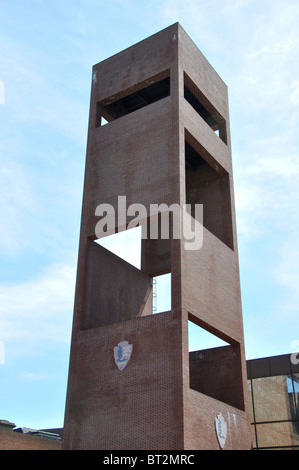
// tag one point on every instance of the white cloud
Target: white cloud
(39, 91)
(268, 62)
(38, 310)
(16, 199)
(295, 93)
(2, 92)
(265, 139)
(266, 182)
(286, 275)
(30, 376)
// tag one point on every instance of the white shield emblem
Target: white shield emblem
(221, 430)
(122, 354)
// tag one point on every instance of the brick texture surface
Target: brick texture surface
(149, 404)
(138, 407)
(10, 440)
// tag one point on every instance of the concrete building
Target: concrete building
(167, 141)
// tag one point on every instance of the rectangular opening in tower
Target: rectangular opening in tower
(204, 108)
(116, 288)
(144, 94)
(128, 246)
(162, 293)
(156, 262)
(125, 244)
(204, 185)
(214, 365)
(120, 284)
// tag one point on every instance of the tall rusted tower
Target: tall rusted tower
(167, 141)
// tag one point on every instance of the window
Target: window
(274, 403)
(293, 392)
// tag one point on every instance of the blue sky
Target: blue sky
(47, 50)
